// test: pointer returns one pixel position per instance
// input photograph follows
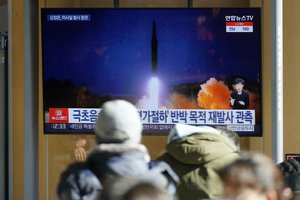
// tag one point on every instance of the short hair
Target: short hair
(145, 191)
(239, 80)
(255, 171)
(131, 188)
(291, 172)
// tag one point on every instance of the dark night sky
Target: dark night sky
(112, 52)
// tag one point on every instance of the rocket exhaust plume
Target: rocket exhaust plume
(152, 100)
(154, 45)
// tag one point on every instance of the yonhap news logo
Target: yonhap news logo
(58, 115)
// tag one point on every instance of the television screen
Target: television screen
(198, 66)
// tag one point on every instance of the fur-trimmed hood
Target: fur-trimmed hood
(130, 160)
(119, 159)
(203, 148)
(121, 148)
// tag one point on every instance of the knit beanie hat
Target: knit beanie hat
(120, 121)
(183, 130)
(291, 172)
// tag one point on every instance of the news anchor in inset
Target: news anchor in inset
(239, 99)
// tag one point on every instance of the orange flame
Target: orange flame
(214, 95)
(254, 104)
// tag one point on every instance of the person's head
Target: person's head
(129, 188)
(145, 191)
(118, 121)
(291, 173)
(239, 84)
(252, 176)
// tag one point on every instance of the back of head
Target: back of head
(118, 121)
(145, 191)
(130, 188)
(291, 172)
(254, 172)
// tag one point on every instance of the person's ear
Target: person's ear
(272, 195)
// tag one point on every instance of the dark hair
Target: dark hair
(132, 188)
(145, 191)
(239, 80)
(291, 172)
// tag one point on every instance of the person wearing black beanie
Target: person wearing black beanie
(291, 173)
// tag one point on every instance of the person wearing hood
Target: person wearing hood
(197, 154)
(118, 152)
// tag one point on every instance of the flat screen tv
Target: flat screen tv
(198, 66)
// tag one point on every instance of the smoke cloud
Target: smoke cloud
(179, 101)
(214, 95)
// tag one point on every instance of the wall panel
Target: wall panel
(17, 95)
(291, 71)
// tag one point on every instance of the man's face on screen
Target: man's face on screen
(239, 87)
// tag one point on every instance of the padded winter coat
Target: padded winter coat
(109, 161)
(196, 159)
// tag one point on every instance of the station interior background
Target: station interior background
(33, 161)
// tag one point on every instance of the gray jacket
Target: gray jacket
(110, 160)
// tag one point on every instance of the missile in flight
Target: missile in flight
(154, 49)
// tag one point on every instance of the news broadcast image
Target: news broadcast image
(174, 65)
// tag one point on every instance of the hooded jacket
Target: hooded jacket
(119, 159)
(109, 161)
(77, 182)
(196, 159)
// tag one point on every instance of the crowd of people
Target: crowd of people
(199, 163)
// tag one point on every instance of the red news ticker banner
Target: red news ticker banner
(58, 115)
(239, 23)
